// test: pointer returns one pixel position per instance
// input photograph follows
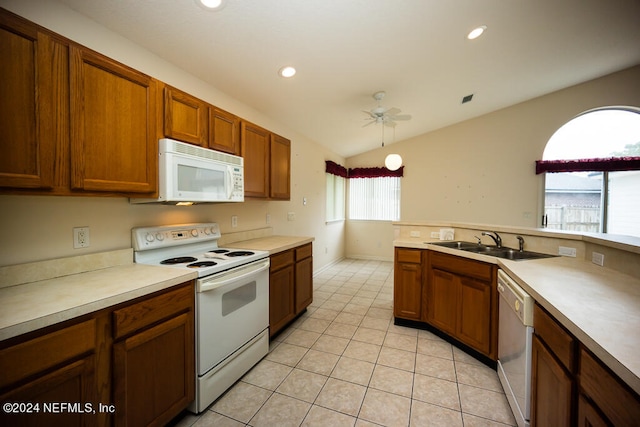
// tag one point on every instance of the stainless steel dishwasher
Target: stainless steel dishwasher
(515, 331)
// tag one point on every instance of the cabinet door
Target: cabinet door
(407, 291)
(551, 389)
(474, 324)
(254, 145)
(280, 168)
(225, 131)
(588, 415)
(281, 298)
(304, 284)
(113, 119)
(442, 300)
(72, 384)
(154, 373)
(186, 118)
(33, 81)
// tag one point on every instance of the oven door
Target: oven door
(232, 307)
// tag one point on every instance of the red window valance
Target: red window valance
(611, 164)
(377, 172)
(336, 169)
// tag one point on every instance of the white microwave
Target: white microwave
(189, 174)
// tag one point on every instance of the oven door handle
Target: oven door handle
(235, 275)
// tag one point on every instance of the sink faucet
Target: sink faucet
(495, 236)
(520, 243)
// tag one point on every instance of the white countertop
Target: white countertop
(599, 306)
(272, 244)
(37, 304)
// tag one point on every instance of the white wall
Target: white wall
(34, 228)
(483, 170)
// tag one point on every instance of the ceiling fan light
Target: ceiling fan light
(393, 162)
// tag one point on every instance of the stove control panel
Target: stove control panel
(145, 238)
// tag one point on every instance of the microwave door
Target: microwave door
(197, 181)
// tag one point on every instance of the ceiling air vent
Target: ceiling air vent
(467, 98)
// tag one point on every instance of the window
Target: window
(336, 177)
(375, 199)
(335, 197)
(597, 185)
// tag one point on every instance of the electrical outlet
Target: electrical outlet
(414, 234)
(268, 219)
(597, 258)
(234, 221)
(435, 234)
(566, 251)
(80, 237)
(291, 216)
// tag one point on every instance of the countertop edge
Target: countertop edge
(272, 244)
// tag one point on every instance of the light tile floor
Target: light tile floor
(344, 363)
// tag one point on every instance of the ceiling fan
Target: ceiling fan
(383, 115)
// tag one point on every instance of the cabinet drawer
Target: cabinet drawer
(559, 341)
(303, 251)
(615, 400)
(462, 266)
(282, 260)
(44, 352)
(413, 256)
(152, 310)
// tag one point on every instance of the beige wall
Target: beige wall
(36, 228)
(483, 170)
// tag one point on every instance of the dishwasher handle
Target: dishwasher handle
(517, 298)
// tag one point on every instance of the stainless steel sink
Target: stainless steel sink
(454, 244)
(503, 252)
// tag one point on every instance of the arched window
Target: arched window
(593, 179)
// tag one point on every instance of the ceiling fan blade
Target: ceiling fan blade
(390, 123)
(392, 111)
(370, 114)
(401, 117)
(370, 123)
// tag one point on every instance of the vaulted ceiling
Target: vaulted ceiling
(415, 50)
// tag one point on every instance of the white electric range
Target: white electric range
(232, 300)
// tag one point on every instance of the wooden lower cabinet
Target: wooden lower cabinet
(408, 289)
(137, 360)
(290, 286)
(304, 277)
(45, 371)
(462, 301)
(551, 389)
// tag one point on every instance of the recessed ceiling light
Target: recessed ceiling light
(287, 72)
(211, 4)
(476, 32)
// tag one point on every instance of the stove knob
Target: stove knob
(160, 236)
(194, 232)
(149, 237)
(207, 231)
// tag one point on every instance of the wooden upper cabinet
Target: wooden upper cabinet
(33, 81)
(225, 131)
(280, 168)
(186, 118)
(113, 139)
(254, 148)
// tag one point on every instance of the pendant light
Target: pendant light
(392, 161)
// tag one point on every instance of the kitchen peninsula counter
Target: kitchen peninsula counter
(598, 305)
(40, 294)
